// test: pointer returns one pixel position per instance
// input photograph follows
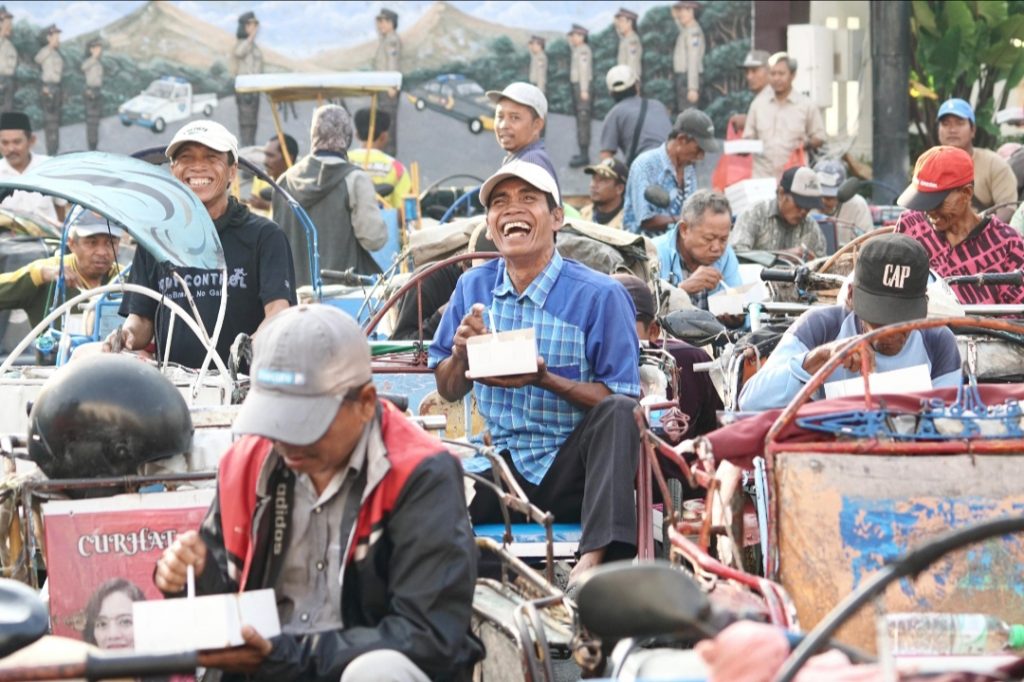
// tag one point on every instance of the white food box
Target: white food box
(745, 193)
(502, 354)
(743, 147)
(201, 623)
(905, 380)
(732, 301)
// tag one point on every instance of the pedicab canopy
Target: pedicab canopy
(160, 213)
(297, 87)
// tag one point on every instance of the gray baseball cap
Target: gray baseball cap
(305, 359)
(698, 125)
(755, 58)
(831, 173)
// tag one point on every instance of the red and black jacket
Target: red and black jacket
(409, 571)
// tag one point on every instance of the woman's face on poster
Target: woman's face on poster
(114, 625)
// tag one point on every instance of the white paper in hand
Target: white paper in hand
(733, 301)
(210, 622)
(904, 380)
(502, 354)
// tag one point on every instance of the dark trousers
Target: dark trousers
(93, 112)
(591, 481)
(583, 113)
(7, 93)
(390, 105)
(248, 114)
(682, 89)
(51, 102)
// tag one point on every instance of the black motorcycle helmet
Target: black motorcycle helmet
(105, 415)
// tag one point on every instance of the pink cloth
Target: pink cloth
(754, 652)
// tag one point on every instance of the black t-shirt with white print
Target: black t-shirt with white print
(260, 270)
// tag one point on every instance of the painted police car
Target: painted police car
(167, 99)
(456, 96)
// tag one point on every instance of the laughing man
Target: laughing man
(566, 430)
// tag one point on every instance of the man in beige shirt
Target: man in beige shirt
(994, 181)
(92, 95)
(387, 58)
(581, 73)
(51, 65)
(631, 50)
(8, 60)
(688, 56)
(784, 122)
(538, 63)
(247, 58)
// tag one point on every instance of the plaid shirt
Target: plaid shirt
(653, 167)
(585, 329)
(993, 246)
(761, 228)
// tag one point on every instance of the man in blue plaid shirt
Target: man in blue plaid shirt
(567, 430)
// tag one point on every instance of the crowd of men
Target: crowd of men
(329, 495)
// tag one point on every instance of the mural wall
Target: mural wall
(143, 68)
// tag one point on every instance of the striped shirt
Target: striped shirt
(585, 327)
(993, 246)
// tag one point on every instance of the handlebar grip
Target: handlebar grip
(778, 275)
(103, 666)
(346, 277)
(1015, 278)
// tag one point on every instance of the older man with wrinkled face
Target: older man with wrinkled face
(567, 430)
(959, 240)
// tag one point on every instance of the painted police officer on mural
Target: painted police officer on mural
(247, 58)
(92, 69)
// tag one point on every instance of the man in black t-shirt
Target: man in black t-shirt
(261, 278)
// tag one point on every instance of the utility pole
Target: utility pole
(890, 81)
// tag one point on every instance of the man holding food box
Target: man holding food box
(550, 348)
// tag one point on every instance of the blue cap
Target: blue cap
(957, 107)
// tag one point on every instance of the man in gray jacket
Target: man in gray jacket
(338, 196)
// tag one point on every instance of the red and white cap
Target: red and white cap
(938, 171)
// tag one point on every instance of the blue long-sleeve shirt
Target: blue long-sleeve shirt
(675, 271)
(783, 375)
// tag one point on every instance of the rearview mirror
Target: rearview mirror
(23, 617)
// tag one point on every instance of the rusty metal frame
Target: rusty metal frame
(872, 447)
(876, 447)
(417, 281)
(60, 485)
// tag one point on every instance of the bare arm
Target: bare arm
(580, 394)
(450, 373)
(274, 307)
(136, 334)
(658, 222)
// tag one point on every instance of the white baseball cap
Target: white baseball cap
(620, 77)
(85, 223)
(524, 93)
(537, 176)
(207, 133)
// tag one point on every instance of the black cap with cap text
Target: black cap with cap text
(890, 281)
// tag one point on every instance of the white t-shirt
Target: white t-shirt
(30, 202)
